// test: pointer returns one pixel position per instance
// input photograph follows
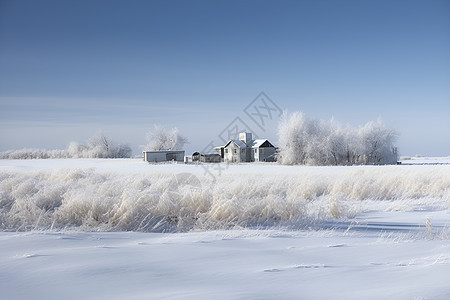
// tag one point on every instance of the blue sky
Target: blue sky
(69, 69)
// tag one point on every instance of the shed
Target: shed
(206, 158)
(164, 155)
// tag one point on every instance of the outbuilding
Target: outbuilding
(206, 158)
(163, 155)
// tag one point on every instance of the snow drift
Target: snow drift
(94, 200)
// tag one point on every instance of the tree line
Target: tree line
(98, 146)
(308, 141)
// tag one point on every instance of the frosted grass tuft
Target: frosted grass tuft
(90, 200)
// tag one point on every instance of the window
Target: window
(235, 151)
(226, 150)
(255, 150)
(242, 150)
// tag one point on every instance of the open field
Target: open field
(114, 229)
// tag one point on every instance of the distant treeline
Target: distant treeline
(97, 146)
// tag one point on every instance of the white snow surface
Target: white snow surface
(125, 229)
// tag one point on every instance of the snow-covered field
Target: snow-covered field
(124, 229)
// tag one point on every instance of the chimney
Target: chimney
(246, 137)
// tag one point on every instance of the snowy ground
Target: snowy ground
(314, 233)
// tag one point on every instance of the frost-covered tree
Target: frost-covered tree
(161, 139)
(100, 146)
(292, 138)
(377, 144)
(303, 140)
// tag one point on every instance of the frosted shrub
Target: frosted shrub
(315, 142)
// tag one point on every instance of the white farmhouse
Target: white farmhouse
(245, 149)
